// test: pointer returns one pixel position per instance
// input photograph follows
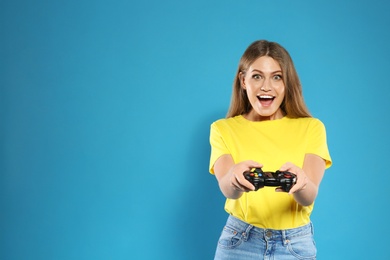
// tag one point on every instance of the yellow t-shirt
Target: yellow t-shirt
(271, 143)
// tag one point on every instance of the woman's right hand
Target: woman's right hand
(231, 178)
(238, 181)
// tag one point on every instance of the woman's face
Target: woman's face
(263, 82)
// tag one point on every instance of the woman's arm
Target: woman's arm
(230, 176)
(308, 178)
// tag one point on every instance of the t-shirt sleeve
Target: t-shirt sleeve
(318, 143)
(218, 146)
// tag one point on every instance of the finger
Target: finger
(244, 182)
(300, 185)
(294, 189)
(286, 167)
(242, 188)
(236, 183)
(245, 185)
(236, 187)
(253, 164)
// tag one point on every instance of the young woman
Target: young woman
(268, 126)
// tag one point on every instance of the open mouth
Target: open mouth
(266, 100)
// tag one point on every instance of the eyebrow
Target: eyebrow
(273, 72)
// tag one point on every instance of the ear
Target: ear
(241, 76)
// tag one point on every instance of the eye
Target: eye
(277, 77)
(256, 76)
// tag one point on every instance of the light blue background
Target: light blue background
(105, 110)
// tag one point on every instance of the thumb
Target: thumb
(285, 167)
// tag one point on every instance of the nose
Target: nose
(266, 86)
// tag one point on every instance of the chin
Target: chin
(270, 115)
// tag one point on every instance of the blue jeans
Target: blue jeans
(240, 240)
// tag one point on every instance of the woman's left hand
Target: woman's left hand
(302, 179)
(309, 178)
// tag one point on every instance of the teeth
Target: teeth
(266, 96)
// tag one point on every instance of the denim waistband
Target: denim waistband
(268, 234)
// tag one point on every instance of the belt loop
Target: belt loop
(284, 238)
(246, 233)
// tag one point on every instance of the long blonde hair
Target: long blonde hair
(293, 105)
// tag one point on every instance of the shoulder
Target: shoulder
(227, 122)
(306, 121)
(306, 124)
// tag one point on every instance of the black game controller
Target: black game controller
(259, 179)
